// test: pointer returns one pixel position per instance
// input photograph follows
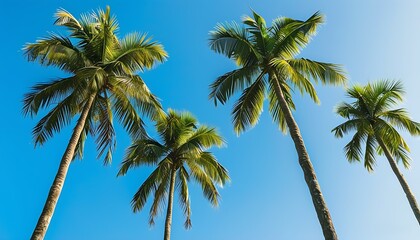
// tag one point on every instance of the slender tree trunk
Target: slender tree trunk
(168, 221)
(401, 179)
(57, 186)
(320, 205)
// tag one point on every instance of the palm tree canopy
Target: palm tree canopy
(372, 115)
(182, 149)
(99, 64)
(266, 57)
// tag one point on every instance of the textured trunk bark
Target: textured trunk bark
(168, 221)
(401, 179)
(320, 205)
(57, 186)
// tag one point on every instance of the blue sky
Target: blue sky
(267, 198)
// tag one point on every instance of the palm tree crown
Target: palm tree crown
(182, 155)
(375, 121)
(373, 118)
(100, 65)
(266, 59)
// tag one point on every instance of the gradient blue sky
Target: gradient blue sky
(267, 198)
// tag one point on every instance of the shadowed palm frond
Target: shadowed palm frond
(249, 107)
(127, 115)
(56, 50)
(137, 53)
(202, 178)
(44, 95)
(350, 125)
(230, 83)
(160, 196)
(213, 168)
(144, 101)
(56, 119)
(370, 149)
(142, 152)
(233, 41)
(151, 184)
(104, 131)
(289, 37)
(353, 149)
(184, 201)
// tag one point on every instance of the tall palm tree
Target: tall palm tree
(373, 118)
(181, 155)
(102, 77)
(267, 67)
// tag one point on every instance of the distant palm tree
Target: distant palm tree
(180, 156)
(268, 68)
(372, 117)
(102, 77)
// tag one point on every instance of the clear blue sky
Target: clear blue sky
(267, 198)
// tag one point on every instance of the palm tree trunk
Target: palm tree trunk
(401, 179)
(320, 205)
(168, 221)
(57, 186)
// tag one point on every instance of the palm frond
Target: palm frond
(78, 29)
(184, 200)
(159, 199)
(80, 147)
(274, 104)
(56, 119)
(249, 107)
(209, 190)
(299, 80)
(43, 95)
(400, 118)
(327, 73)
(401, 154)
(371, 146)
(233, 41)
(290, 36)
(150, 184)
(105, 133)
(259, 33)
(350, 125)
(389, 135)
(353, 149)
(349, 111)
(142, 152)
(137, 53)
(56, 50)
(212, 167)
(143, 100)
(202, 138)
(231, 82)
(127, 115)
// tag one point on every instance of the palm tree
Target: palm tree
(102, 77)
(267, 67)
(372, 117)
(181, 155)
